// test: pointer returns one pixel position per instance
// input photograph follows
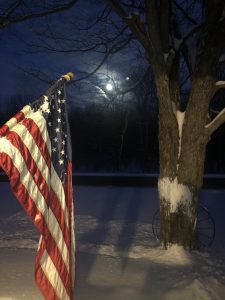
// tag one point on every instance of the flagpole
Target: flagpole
(69, 76)
(6, 127)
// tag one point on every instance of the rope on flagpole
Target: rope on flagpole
(69, 76)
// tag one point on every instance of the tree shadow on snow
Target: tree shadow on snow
(121, 211)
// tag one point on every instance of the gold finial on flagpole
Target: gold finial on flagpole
(69, 76)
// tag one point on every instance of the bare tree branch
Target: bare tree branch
(137, 83)
(220, 85)
(133, 5)
(100, 47)
(7, 20)
(104, 14)
(216, 123)
(112, 50)
(187, 16)
(132, 21)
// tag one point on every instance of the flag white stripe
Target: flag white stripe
(40, 121)
(29, 142)
(28, 147)
(13, 121)
(58, 189)
(53, 277)
(55, 182)
(25, 177)
(27, 180)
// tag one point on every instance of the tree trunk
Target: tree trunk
(182, 146)
(179, 201)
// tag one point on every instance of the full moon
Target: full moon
(109, 86)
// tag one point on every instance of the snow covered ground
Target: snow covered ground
(118, 257)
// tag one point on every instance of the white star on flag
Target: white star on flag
(41, 179)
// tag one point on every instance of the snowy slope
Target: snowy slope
(118, 257)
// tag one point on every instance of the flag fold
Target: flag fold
(35, 152)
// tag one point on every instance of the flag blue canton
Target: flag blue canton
(54, 109)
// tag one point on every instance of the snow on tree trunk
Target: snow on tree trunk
(182, 146)
(181, 176)
(178, 218)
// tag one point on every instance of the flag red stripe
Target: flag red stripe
(31, 165)
(52, 201)
(59, 214)
(20, 191)
(69, 195)
(37, 136)
(31, 209)
(55, 255)
(50, 197)
(44, 284)
(19, 116)
(3, 130)
(40, 187)
(56, 258)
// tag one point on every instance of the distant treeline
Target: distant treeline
(103, 141)
(113, 140)
(121, 138)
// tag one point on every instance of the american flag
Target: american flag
(35, 152)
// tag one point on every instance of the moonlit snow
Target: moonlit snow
(118, 257)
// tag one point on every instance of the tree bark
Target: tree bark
(178, 227)
(178, 213)
(182, 147)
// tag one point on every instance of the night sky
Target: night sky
(28, 68)
(22, 55)
(25, 54)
